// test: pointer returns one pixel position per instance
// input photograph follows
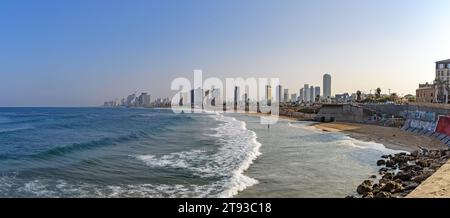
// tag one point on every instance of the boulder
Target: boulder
(383, 194)
(423, 162)
(410, 186)
(404, 175)
(390, 164)
(368, 195)
(422, 177)
(381, 162)
(365, 187)
(383, 170)
(388, 176)
(392, 187)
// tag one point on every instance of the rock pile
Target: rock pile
(402, 173)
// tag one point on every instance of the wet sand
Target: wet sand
(393, 138)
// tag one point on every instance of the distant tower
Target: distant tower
(236, 97)
(306, 93)
(300, 95)
(317, 92)
(279, 94)
(326, 85)
(311, 94)
(286, 95)
(268, 95)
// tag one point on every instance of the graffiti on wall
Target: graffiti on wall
(421, 115)
(443, 125)
(419, 124)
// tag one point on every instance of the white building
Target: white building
(306, 94)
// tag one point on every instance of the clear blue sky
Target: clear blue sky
(82, 52)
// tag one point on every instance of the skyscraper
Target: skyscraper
(311, 94)
(269, 94)
(237, 95)
(317, 92)
(300, 94)
(286, 95)
(326, 85)
(279, 95)
(306, 93)
(294, 97)
(144, 99)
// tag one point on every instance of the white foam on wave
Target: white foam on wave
(349, 141)
(238, 149)
(343, 139)
(241, 148)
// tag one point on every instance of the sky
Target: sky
(84, 52)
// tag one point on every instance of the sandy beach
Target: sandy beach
(436, 186)
(391, 137)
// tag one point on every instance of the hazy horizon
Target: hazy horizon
(81, 53)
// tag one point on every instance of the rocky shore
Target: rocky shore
(402, 173)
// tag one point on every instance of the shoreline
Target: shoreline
(431, 180)
(400, 179)
(391, 137)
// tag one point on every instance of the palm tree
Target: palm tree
(378, 93)
(394, 97)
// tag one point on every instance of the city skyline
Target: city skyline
(85, 52)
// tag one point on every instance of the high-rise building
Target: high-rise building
(268, 94)
(216, 97)
(306, 94)
(237, 95)
(144, 100)
(130, 100)
(286, 95)
(326, 85)
(300, 94)
(311, 94)
(317, 92)
(294, 97)
(278, 93)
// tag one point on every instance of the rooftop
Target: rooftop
(444, 62)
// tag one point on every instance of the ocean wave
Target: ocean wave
(108, 141)
(17, 129)
(29, 121)
(77, 147)
(346, 140)
(48, 188)
(238, 149)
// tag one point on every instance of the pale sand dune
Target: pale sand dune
(393, 138)
(436, 186)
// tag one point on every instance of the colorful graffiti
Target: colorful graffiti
(418, 124)
(421, 115)
(443, 125)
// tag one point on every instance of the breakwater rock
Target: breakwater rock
(401, 173)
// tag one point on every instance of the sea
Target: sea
(156, 153)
